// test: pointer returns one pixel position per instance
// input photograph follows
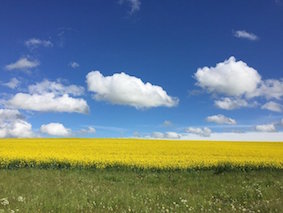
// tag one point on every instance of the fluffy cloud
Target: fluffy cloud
(34, 43)
(12, 124)
(231, 77)
(56, 88)
(157, 135)
(266, 128)
(239, 83)
(172, 135)
(124, 89)
(166, 135)
(48, 102)
(12, 84)
(245, 35)
(9, 115)
(50, 97)
(231, 103)
(272, 106)
(220, 119)
(55, 129)
(205, 132)
(269, 89)
(22, 64)
(74, 64)
(88, 130)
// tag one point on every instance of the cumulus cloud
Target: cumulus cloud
(266, 128)
(157, 135)
(12, 124)
(74, 64)
(172, 135)
(272, 106)
(9, 115)
(231, 77)
(12, 84)
(123, 89)
(204, 132)
(35, 42)
(55, 129)
(134, 4)
(166, 135)
(56, 88)
(269, 89)
(221, 119)
(48, 102)
(232, 103)
(245, 35)
(23, 64)
(88, 130)
(50, 97)
(240, 84)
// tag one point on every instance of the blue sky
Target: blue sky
(166, 69)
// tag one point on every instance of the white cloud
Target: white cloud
(272, 106)
(48, 102)
(172, 135)
(35, 42)
(157, 135)
(236, 136)
(221, 119)
(166, 135)
(134, 4)
(231, 77)
(204, 132)
(232, 103)
(240, 83)
(266, 135)
(13, 83)
(55, 129)
(9, 115)
(269, 89)
(123, 89)
(74, 64)
(88, 130)
(23, 64)
(12, 124)
(266, 128)
(56, 88)
(48, 96)
(245, 35)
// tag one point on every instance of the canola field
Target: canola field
(161, 154)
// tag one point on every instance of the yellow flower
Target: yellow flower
(163, 154)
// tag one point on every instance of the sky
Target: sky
(187, 69)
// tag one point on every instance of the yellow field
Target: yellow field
(141, 153)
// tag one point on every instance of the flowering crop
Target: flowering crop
(163, 154)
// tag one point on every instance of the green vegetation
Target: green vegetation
(136, 190)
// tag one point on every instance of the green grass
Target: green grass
(136, 190)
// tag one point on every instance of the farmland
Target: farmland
(127, 175)
(158, 154)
